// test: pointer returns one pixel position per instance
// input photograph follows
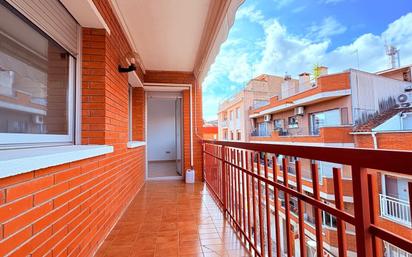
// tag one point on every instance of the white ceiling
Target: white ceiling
(166, 33)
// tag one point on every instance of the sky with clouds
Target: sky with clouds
(291, 36)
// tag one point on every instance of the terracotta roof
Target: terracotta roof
(379, 119)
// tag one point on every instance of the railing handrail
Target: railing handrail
(394, 199)
(398, 161)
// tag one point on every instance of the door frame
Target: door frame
(168, 87)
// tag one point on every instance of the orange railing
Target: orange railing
(244, 178)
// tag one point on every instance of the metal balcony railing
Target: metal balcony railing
(395, 209)
(249, 197)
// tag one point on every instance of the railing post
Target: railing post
(364, 242)
(224, 187)
(373, 193)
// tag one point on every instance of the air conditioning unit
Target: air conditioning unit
(267, 117)
(405, 99)
(300, 110)
(38, 119)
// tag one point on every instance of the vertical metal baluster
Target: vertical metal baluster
(340, 224)
(242, 182)
(318, 214)
(268, 211)
(248, 197)
(364, 244)
(254, 230)
(261, 221)
(276, 205)
(302, 244)
(287, 206)
(239, 204)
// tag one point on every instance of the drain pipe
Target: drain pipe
(191, 128)
(375, 140)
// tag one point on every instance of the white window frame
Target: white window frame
(17, 140)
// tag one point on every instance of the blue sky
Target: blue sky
(290, 36)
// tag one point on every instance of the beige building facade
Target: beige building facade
(233, 113)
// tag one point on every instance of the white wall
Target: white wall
(161, 139)
(372, 94)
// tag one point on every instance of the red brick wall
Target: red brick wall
(395, 141)
(68, 210)
(138, 114)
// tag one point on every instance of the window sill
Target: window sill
(14, 162)
(135, 144)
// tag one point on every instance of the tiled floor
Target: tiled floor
(162, 169)
(172, 219)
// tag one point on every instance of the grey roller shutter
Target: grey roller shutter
(51, 17)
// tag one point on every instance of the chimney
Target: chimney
(323, 70)
(304, 78)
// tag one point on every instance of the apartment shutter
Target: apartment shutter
(344, 114)
(51, 17)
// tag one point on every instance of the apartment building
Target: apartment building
(347, 109)
(233, 118)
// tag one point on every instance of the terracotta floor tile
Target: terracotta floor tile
(169, 219)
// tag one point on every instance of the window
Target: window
(232, 136)
(225, 135)
(324, 119)
(293, 122)
(278, 124)
(259, 103)
(239, 136)
(328, 220)
(231, 115)
(407, 121)
(263, 129)
(36, 85)
(237, 113)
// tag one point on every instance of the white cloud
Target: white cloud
(282, 3)
(250, 12)
(327, 28)
(331, 1)
(284, 52)
(281, 51)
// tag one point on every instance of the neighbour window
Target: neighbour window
(36, 85)
(231, 115)
(225, 135)
(231, 136)
(293, 122)
(407, 121)
(324, 119)
(239, 137)
(237, 113)
(328, 220)
(263, 130)
(278, 124)
(259, 103)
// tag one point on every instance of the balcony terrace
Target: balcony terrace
(260, 208)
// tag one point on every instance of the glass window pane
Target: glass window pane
(34, 80)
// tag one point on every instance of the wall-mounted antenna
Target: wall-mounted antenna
(393, 53)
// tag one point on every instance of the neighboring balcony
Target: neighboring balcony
(223, 123)
(339, 134)
(395, 209)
